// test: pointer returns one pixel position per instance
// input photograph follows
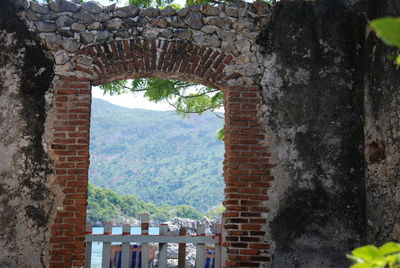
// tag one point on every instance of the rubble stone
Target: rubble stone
(70, 45)
(39, 8)
(45, 27)
(64, 21)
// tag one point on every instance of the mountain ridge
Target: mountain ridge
(156, 155)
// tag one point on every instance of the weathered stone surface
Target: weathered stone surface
(194, 8)
(195, 21)
(242, 59)
(45, 27)
(39, 8)
(209, 29)
(315, 127)
(261, 7)
(223, 23)
(162, 23)
(78, 27)
(103, 36)
(142, 22)
(54, 6)
(70, 45)
(210, 10)
(129, 11)
(32, 16)
(84, 16)
(212, 41)
(166, 33)
(103, 17)
(26, 171)
(382, 137)
(48, 17)
(184, 34)
(66, 33)
(87, 37)
(64, 6)
(228, 36)
(243, 46)
(168, 11)
(64, 21)
(183, 12)
(96, 26)
(122, 34)
(178, 23)
(53, 41)
(151, 33)
(231, 12)
(150, 12)
(114, 24)
(92, 7)
(21, 4)
(61, 57)
(129, 23)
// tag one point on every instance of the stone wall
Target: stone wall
(26, 192)
(313, 111)
(312, 121)
(382, 133)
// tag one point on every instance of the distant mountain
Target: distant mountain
(157, 156)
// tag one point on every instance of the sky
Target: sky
(131, 100)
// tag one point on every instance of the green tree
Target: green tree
(105, 205)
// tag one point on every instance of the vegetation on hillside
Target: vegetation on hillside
(157, 156)
(105, 205)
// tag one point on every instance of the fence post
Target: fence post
(200, 248)
(224, 252)
(162, 255)
(144, 219)
(88, 249)
(126, 230)
(182, 250)
(106, 247)
(217, 254)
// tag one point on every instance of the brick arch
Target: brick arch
(172, 59)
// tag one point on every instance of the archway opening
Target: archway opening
(156, 162)
(246, 168)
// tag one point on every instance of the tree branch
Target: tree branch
(192, 112)
(197, 95)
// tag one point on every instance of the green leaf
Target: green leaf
(221, 134)
(387, 29)
(367, 253)
(355, 259)
(362, 265)
(398, 60)
(389, 248)
(393, 260)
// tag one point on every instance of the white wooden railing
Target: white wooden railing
(200, 240)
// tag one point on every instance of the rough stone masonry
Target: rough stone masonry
(311, 121)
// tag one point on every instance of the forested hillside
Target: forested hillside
(157, 156)
(106, 205)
